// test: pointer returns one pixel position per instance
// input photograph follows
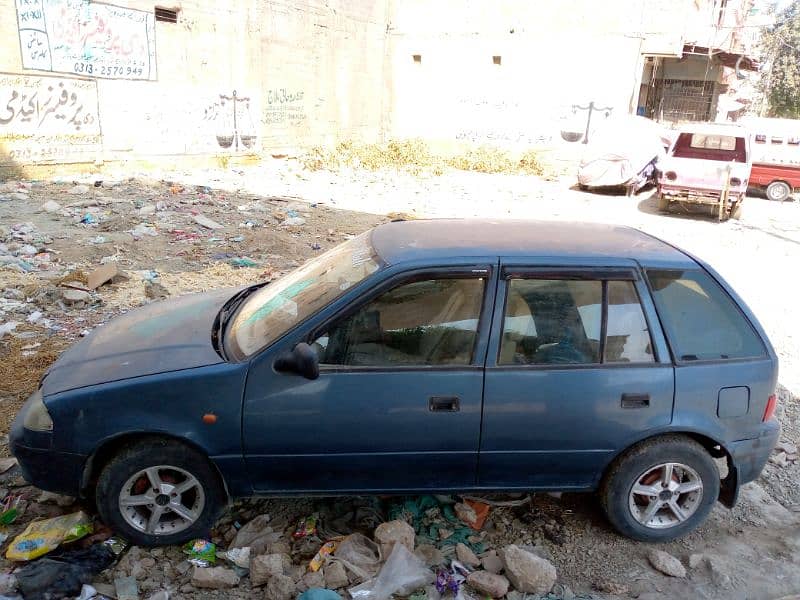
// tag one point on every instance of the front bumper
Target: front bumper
(41, 465)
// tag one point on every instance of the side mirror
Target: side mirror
(302, 360)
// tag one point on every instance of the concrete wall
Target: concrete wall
(303, 73)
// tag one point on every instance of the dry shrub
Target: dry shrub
(415, 157)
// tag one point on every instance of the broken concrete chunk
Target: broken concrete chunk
(72, 296)
(79, 189)
(666, 563)
(394, 532)
(492, 563)
(335, 576)
(527, 572)
(207, 223)
(429, 553)
(102, 275)
(495, 586)
(262, 568)
(467, 556)
(51, 206)
(214, 578)
(280, 587)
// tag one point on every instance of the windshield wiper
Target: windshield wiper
(224, 315)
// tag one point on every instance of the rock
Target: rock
(787, 447)
(162, 595)
(70, 296)
(666, 563)
(268, 565)
(466, 513)
(295, 221)
(138, 571)
(51, 206)
(695, 560)
(467, 557)
(487, 583)
(296, 572)
(8, 584)
(492, 563)
(58, 499)
(79, 189)
(612, 587)
(252, 531)
(155, 291)
(280, 587)
(207, 223)
(18, 196)
(527, 572)
(187, 588)
(126, 588)
(429, 553)
(779, 459)
(147, 209)
(394, 532)
(335, 576)
(312, 579)
(719, 574)
(214, 578)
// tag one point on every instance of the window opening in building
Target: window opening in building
(166, 15)
(417, 58)
(497, 60)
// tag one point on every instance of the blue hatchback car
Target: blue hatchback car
(422, 356)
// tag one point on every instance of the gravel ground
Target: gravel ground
(754, 549)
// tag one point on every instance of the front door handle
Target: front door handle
(444, 404)
(635, 400)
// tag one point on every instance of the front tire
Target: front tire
(159, 492)
(660, 489)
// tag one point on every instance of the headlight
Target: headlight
(37, 418)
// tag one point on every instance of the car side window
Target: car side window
(627, 334)
(702, 321)
(428, 322)
(552, 321)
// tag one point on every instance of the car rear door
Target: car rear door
(577, 369)
(397, 405)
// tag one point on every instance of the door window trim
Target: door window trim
(477, 271)
(601, 274)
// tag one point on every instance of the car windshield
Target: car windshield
(276, 308)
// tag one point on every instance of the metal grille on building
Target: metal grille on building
(681, 100)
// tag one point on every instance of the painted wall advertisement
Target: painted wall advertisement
(86, 38)
(48, 119)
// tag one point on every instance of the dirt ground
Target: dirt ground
(274, 216)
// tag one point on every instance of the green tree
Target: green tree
(781, 84)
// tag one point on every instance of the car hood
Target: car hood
(157, 338)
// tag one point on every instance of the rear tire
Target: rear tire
(645, 466)
(159, 492)
(778, 191)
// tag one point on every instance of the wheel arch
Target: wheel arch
(110, 447)
(729, 486)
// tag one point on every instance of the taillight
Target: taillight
(769, 411)
(671, 175)
(736, 182)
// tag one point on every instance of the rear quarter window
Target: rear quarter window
(701, 319)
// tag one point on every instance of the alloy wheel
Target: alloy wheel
(665, 495)
(161, 500)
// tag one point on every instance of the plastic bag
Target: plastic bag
(402, 574)
(359, 555)
(40, 537)
(202, 552)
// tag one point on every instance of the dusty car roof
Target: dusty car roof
(447, 238)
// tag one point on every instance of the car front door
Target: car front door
(397, 405)
(577, 368)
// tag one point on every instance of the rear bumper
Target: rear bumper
(698, 195)
(47, 469)
(750, 456)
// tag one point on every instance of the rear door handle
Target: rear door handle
(635, 400)
(444, 404)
